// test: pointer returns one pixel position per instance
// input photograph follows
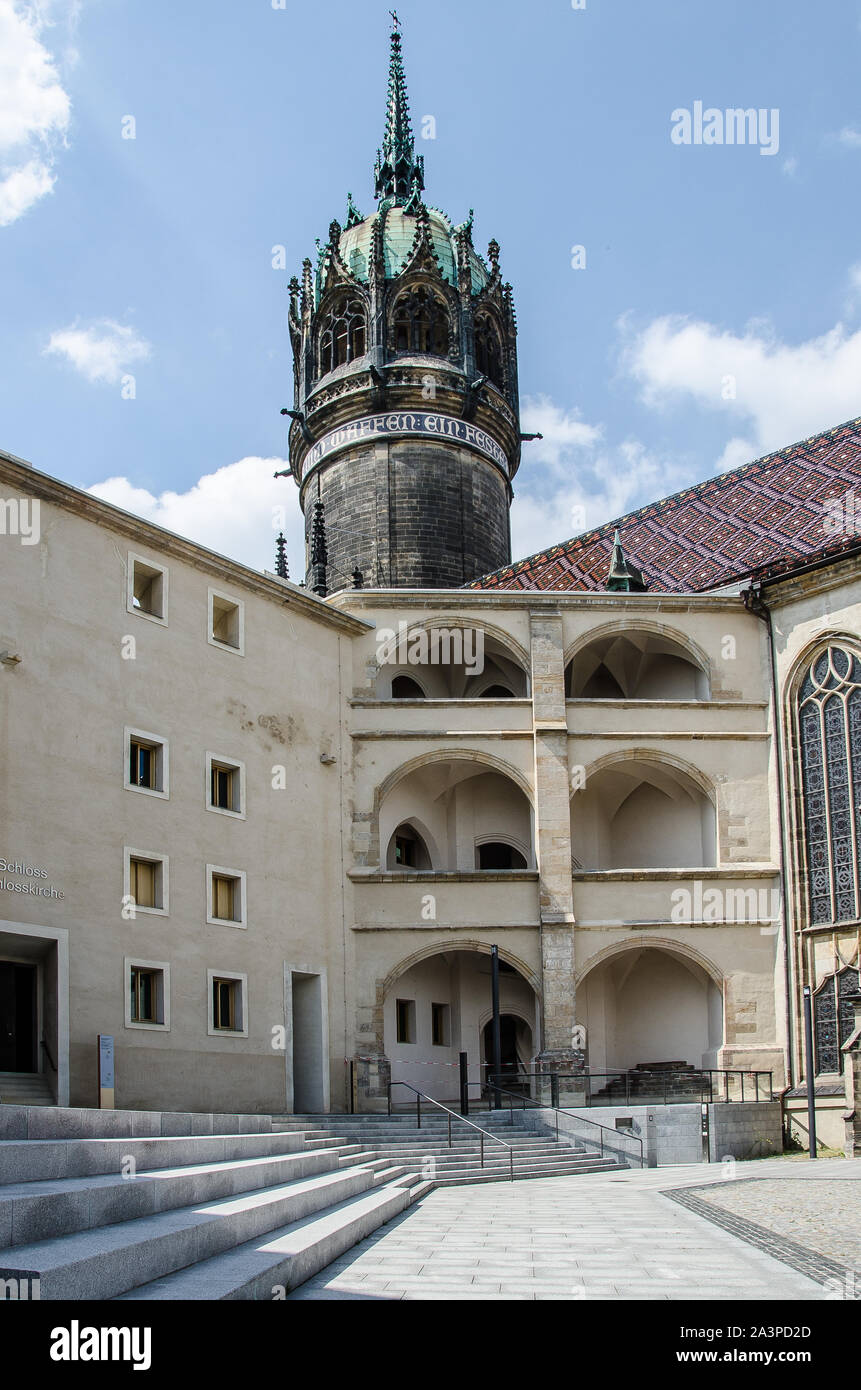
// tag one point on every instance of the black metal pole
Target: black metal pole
(496, 1100)
(464, 1084)
(808, 1068)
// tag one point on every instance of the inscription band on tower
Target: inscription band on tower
(406, 422)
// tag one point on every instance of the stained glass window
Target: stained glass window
(829, 727)
(833, 1018)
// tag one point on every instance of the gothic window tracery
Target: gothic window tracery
(833, 1018)
(829, 732)
(342, 335)
(488, 349)
(420, 323)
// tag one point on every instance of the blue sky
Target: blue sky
(718, 315)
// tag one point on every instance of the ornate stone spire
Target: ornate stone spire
(319, 551)
(623, 577)
(399, 176)
(281, 568)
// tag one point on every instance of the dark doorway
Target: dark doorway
(17, 1017)
(510, 1078)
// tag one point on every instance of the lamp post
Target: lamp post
(808, 1069)
(496, 1098)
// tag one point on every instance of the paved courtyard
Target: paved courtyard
(777, 1229)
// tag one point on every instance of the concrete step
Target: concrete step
(111, 1260)
(285, 1258)
(25, 1088)
(37, 1160)
(34, 1211)
(473, 1176)
(71, 1122)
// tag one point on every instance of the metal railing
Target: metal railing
(557, 1111)
(670, 1087)
(453, 1115)
(43, 1044)
(677, 1087)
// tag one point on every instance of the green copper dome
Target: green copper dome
(399, 230)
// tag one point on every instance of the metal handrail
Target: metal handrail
(42, 1043)
(557, 1110)
(702, 1079)
(452, 1114)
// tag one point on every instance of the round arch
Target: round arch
(444, 947)
(515, 650)
(449, 755)
(650, 755)
(660, 943)
(617, 627)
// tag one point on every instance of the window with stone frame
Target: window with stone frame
(420, 323)
(343, 334)
(829, 739)
(488, 350)
(833, 1018)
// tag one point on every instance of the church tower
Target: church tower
(405, 423)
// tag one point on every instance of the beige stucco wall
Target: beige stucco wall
(63, 804)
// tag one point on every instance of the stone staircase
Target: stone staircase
(396, 1139)
(148, 1205)
(25, 1088)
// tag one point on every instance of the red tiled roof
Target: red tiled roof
(767, 515)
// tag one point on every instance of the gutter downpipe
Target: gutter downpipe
(755, 603)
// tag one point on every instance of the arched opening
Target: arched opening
(438, 1008)
(405, 688)
(488, 350)
(639, 813)
(828, 723)
(452, 663)
(407, 850)
(420, 323)
(650, 1007)
(635, 665)
(496, 854)
(460, 803)
(515, 1051)
(834, 1019)
(342, 335)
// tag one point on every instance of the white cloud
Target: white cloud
(237, 511)
(850, 137)
(102, 352)
(582, 482)
(790, 166)
(778, 392)
(34, 109)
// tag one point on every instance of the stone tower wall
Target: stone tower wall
(411, 515)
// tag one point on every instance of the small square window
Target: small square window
(145, 886)
(147, 1003)
(226, 622)
(147, 589)
(225, 785)
(146, 763)
(406, 1016)
(440, 1025)
(227, 1003)
(225, 896)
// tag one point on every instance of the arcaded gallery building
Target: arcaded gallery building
(265, 834)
